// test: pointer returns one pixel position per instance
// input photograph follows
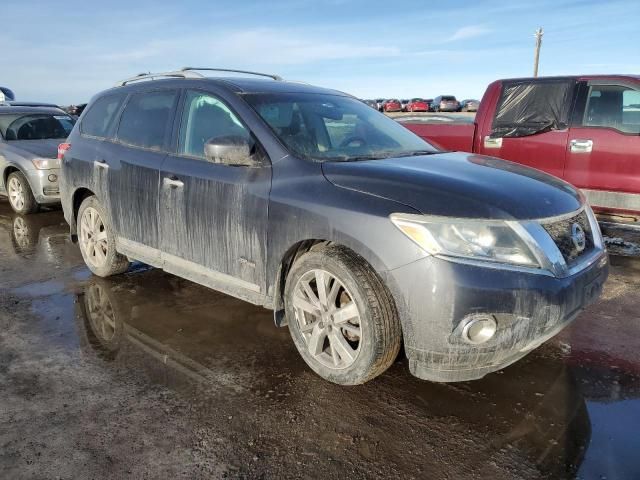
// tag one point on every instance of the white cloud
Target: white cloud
(465, 33)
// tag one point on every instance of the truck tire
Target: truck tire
(20, 195)
(97, 240)
(341, 317)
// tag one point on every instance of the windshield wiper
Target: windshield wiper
(418, 152)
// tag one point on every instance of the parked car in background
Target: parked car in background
(358, 233)
(75, 110)
(371, 103)
(380, 104)
(404, 103)
(584, 129)
(392, 105)
(417, 105)
(445, 103)
(29, 167)
(469, 105)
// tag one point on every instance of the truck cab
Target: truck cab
(583, 129)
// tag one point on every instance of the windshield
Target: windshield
(35, 126)
(332, 127)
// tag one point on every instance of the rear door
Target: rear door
(213, 215)
(133, 162)
(603, 156)
(530, 124)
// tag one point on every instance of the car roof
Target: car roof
(21, 109)
(232, 84)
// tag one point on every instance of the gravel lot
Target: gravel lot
(150, 376)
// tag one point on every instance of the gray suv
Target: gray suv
(29, 167)
(359, 235)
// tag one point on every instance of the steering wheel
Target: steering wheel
(354, 139)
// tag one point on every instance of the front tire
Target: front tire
(97, 240)
(341, 316)
(20, 195)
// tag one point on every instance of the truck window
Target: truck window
(531, 107)
(99, 118)
(145, 118)
(205, 117)
(613, 106)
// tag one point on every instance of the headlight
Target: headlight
(487, 240)
(46, 163)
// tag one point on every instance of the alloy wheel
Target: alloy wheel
(16, 193)
(328, 318)
(93, 237)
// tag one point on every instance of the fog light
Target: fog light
(53, 178)
(479, 329)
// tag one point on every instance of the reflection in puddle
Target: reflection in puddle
(199, 337)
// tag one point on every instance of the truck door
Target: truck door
(603, 156)
(529, 124)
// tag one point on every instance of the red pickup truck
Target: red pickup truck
(584, 129)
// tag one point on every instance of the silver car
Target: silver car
(29, 167)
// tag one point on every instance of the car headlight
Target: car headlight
(46, 163)
(485, 240)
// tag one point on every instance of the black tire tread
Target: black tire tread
(118, 263)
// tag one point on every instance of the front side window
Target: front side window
(613, 106)
(145, 119)
(35, 126)
(334, 128)
(99, 118)
(205, 117)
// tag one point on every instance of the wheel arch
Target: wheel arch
(294, 252)
(8, 170)
(77, 198)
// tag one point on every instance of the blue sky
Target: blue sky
(65, 52)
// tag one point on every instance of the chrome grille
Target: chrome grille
(561, 233)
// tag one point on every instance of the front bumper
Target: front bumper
(434, 297)
(45, 185)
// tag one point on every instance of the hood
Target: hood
(35, 148)
(459, 185)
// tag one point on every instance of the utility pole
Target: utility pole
(538, 36)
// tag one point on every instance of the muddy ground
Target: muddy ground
(150, 376)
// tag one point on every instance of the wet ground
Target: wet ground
(150, 376)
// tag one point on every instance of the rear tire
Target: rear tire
(97, 240)
(348, 331)
(20, 195)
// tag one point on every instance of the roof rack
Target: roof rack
(189, 72)
(246, 72)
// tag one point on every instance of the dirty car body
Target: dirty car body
(476, 260)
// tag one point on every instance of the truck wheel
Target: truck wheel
(97, 240)
(21, 197)
(341, 316)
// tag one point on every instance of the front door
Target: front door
(603, 156)
(213, 215)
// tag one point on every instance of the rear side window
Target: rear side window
(613, 106)
(101, 115)
(145, 119)
(527, 108)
